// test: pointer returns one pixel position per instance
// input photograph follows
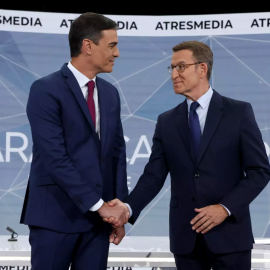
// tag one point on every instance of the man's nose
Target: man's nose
(116, 52)
(174, 74)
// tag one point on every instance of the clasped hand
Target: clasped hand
(114, 212)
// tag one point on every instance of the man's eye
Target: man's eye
(181, 66)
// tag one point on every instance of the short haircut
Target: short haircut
(201, 52)
(88, 26)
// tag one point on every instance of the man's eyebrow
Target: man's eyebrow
(113, 43)
(181, 62)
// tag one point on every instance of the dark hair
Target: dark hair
(201, 52)
(89, 25)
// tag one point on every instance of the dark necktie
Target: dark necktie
(90, 101)
(194, 126)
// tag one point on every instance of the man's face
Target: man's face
(186, 81)
(104, 54)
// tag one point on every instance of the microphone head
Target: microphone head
(10, 230)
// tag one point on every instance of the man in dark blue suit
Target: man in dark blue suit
(79, 158)
(213, 150)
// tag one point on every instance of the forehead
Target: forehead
(182, 56)
(109, 36)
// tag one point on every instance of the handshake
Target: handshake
(114, 212)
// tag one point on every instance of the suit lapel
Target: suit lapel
(214, 115)
(74, 86)
(181, 120)
(102, 100)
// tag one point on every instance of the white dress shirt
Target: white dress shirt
(82, 81)
(201, 111)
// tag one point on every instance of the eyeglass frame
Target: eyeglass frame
(185, 66)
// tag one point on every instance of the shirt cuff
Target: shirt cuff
(97, 205)
(226, 209)
(130, 210)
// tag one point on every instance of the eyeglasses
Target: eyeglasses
(181, 67)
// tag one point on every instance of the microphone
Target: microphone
(14, 235)
(10, 230)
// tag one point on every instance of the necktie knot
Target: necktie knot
(194, 105)
(91, 86)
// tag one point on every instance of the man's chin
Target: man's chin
(179, 91)
(107, 70)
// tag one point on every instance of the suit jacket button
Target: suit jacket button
(197, 175)
(101, 161)
(193, 199)
(98, 185)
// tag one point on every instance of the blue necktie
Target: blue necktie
(194, 126)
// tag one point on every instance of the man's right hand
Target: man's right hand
(118, 214)
(112, 220)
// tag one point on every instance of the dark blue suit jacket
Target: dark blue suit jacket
(72, 168)
(232, 168)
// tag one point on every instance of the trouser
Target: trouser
(52, 250)
(203, 259)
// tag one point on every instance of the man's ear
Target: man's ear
(87, 46)
(203, 70)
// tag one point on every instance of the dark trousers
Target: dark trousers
(203, 259)
(57, 251)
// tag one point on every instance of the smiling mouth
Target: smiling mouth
(177, 82)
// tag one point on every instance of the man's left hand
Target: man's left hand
(117, 235)
(208, 218)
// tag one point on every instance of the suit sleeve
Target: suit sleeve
(119, 160)
(255, 165)
(44, 114)
(152, 179)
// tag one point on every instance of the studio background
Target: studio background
(241, 71)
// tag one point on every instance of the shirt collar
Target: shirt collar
(81, 78)
(204, 100)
